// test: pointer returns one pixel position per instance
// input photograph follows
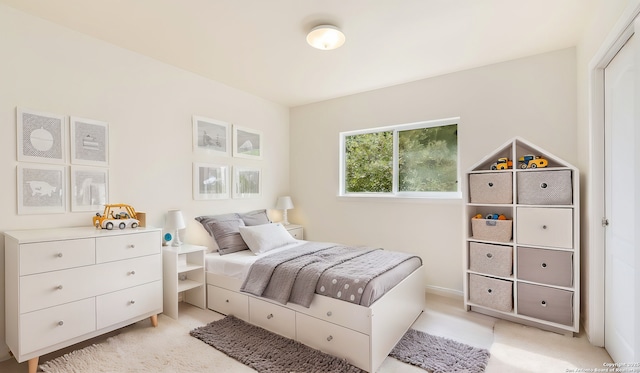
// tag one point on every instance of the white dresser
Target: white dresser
(67, 285)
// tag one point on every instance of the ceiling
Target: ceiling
(259, 46)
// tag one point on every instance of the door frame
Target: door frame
(595, 195)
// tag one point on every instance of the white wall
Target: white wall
(148, 105)
(534, 98)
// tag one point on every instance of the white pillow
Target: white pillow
(265, 237)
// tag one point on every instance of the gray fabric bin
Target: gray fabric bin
(552, 267)
(494, 260)
(491, 187)
(545, 187)
(492, 230)
(545, 303)
(491, 292)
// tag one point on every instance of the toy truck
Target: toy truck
(119, 214)
(502, 164)
(532, 161)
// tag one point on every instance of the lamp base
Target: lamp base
(285, 221)
(176, 241)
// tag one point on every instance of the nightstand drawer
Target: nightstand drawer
(297, 233)
(126, 304)
(125, 246)
(55, 255)
(551, 227)
(551, 267)
(53, 325)
(272, 317)
(228, 302)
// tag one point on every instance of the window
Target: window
(409, 160)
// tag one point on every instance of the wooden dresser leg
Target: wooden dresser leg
(33, 364)
(154, 320)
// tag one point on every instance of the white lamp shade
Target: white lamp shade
(325, 37)
(284, 203)
(175, 220)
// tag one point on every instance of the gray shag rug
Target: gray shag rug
(438, 354)
(267, 352)
(271, 353)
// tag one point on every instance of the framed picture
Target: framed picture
(42, 189)
(247, 182)
(41, 137)
(210, 181)
(247, 143)
(89, 188)
(89, 142)
(211, 136)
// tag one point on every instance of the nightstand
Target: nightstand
(183, 272)
(295, 230)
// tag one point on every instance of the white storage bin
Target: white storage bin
(492, 230)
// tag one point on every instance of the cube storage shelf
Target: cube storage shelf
(526, 268)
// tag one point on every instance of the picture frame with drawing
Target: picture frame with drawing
(89, 188)
(41, 136)
(210, 181)
(247, 143)
(89, 142)
(247, 182)
(211, 136)
(41, 189)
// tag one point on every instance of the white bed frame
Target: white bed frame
(363, 336)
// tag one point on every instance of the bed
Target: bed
(362, 331)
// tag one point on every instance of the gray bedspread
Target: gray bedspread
(325, 268)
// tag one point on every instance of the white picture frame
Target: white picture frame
(211, 136)
(247, 182)
(41, 136)
(210, 181)
(247, 143)
(89, 142)
(41, 189)
(89, 188)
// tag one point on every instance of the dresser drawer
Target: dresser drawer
(53, 325)
(492, 187)
(228, 302)
(490, 259)
(53, 288)
(491, 292)
(272, 317)
(123, 305)
(550, 267)
(551, 227)
(333, 339)
(127, 273)
(541, 302)
(127, 246)
(55, 255)
(545, 187)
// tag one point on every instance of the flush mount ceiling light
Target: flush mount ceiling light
(325, 37)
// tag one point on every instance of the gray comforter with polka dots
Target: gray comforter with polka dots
(328, 269)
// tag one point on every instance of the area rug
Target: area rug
(439, 355)
(267, 352)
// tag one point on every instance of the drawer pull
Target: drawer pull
(227, 301)
(490, 185)
(59, 287)
(59, 255)
(132, 246)
(270, 316)
(543, 265)
(489, 291)
(60, 323)
(489, 255)
(132, 301)
(543, 185)
(329, 338)
(544, 227)
(543, 303)
(131, 273)
(329, 313)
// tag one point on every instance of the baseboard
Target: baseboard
(444, 292)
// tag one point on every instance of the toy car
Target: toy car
(502, 164)
(532, 161)
(111, 217)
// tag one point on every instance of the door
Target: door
(622, 204)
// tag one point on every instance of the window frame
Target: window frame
(395, 193)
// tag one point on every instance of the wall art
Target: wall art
(41, 137)
(247, 182)
(211, 136)
(89, 188)
(89, 142)
(247, 143)
(42, 189)
(210, 181)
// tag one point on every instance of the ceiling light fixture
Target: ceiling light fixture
(325, 37)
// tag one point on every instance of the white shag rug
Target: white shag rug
(143, 348)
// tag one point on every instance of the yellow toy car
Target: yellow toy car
(118, 214)
(532, 161)
(502, 164)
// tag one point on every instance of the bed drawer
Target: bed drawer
(541, 302)
(333, 339)
(272, 317)
(494, 260)
(338, 312)
(228, 302)
(491, 187)
(551, 267)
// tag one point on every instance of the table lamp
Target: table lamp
(175, 222)
(284, 203)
